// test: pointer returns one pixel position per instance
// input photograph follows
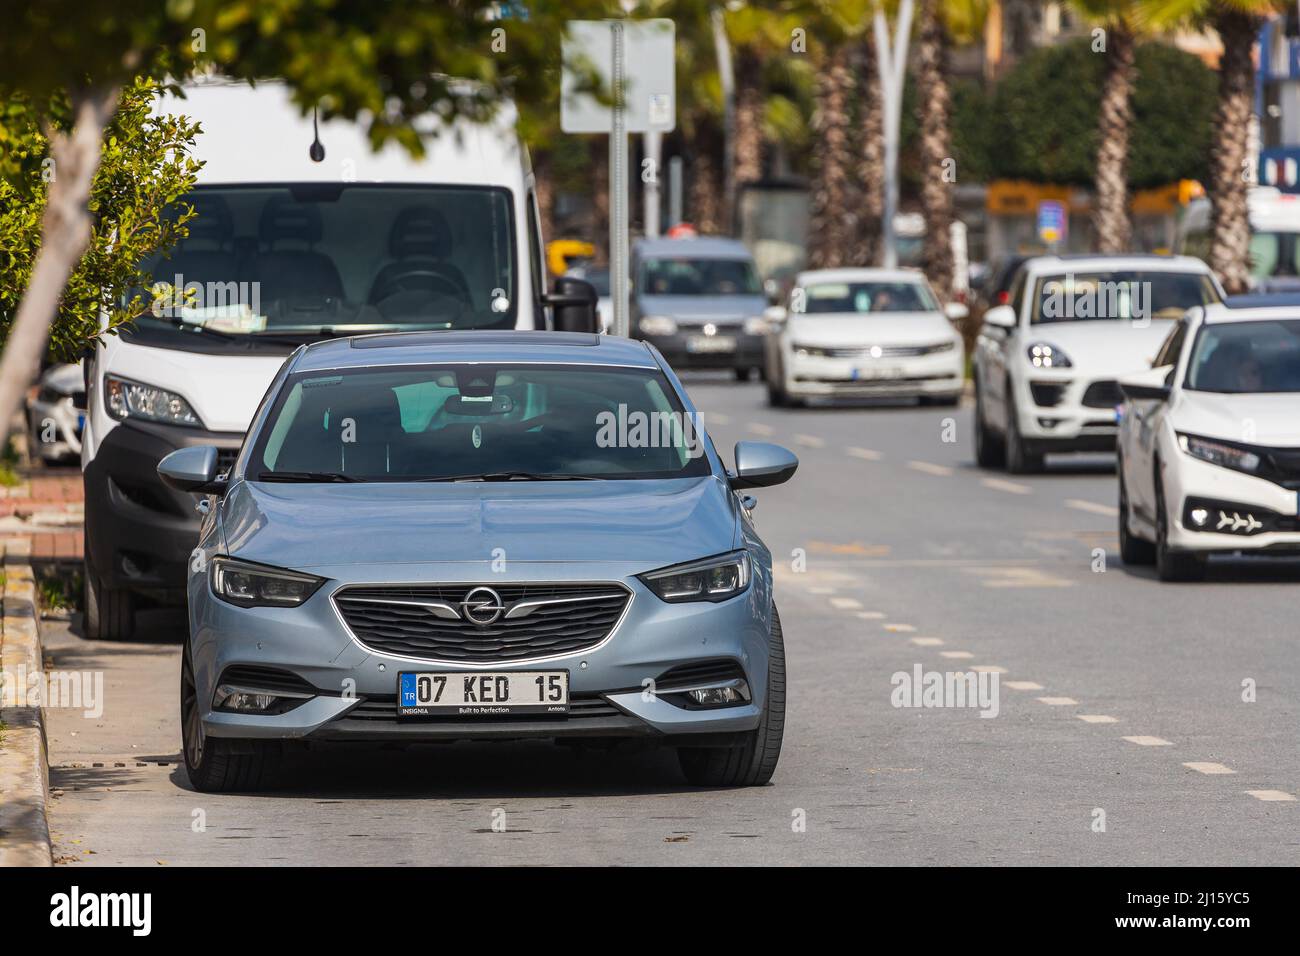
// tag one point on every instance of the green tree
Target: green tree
(145, 167)
(387, 61)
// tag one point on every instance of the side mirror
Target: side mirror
(192, 469)
(574, 305)
(956, 311)
(1001, 317)
(1153, 385)
(772, 289)
(79, 401)
(761, 465)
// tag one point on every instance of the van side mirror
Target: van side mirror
(573, 305)
(1001, 317)
(761, 465)
(1150, 385)
(192, 469)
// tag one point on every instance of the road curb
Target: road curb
(24, 762)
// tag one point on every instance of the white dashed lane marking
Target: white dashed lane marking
(866, 454)
(1058, 701)
(1144, 741)
(929, 468)
(988, 669)
(758, 428)
(810, 441)
(1022, 685)
(1010, 487)
(871, 615)
(1098, 718)
(927, 641)
(899, 628)
(1271, 796)
(717, 418)
(957, 655)
(1204, 767)
(845, 604)
(1092, 507)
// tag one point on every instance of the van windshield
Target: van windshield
(687, 276)
(295, 261)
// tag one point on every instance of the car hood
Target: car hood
(308, 526)
(1104, 346)
(1271, 417)
(722, 309)
(885, 328)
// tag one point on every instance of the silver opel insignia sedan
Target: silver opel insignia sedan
(479, 535)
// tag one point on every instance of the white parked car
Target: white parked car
(864, 333)
(1209, 442)
(1047, 363)
(55, 414)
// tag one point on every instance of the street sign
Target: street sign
(649, 76)
(1052, 222)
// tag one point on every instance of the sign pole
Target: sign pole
(618, 186)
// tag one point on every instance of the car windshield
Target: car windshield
(862, 297)
(1244, 357)
(1127, 294)
(285, 261)
(478, 421)
(686, 276)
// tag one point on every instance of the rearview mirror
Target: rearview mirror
(761, 465)
(192, 469)
(1001, 317)
(956, 311)
(573, 304)
(1153, 385)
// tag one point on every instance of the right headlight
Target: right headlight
(715, 579)
(657, 325)
(1219, 453)
(125, 399)
(257, 585)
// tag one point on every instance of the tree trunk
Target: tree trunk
(65, 235)
(1111, 227)
(599, 152)
(939, 174)
(704, 202)
(749, 128)
(830, 216)
(1229, 217)
(869, 150)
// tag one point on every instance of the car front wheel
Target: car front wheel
(752, 763)
(990, 451)
(221, 764)
(1172, 565)
(1132, 550)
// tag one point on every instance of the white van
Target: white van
(302, 232)
(1274, 237)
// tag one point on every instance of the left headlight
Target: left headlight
(1219, 453)
(124, 399)
(711, 579)
(1046, 355)
(256, 585)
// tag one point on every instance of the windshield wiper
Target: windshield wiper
(512, 476)
(306, 476)
(180, 323)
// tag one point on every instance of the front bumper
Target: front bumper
(684, 349)
(938, 374)
(139, 533)
(1243, 513)
(1065, 411)
(356, 687)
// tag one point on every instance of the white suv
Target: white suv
(1209, 442)
(1046, 364)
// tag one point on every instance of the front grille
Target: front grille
(1282, 465)
(428, 622)
(383, 707)
(1047, 394)
(1102, 395)
(869, 352)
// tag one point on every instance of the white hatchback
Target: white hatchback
(864, 333)
(1209, 443)
(1046, 364)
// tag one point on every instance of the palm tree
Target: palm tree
(939, 22)
(869, 151)
(831, 233)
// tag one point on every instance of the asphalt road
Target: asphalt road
(1120, 700)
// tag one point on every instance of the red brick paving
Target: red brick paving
(49, 493)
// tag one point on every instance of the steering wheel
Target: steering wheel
(404, 282)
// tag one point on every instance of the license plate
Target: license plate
(875, 372)
(710, 343)
(502, 694)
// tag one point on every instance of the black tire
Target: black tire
(1172, 565)
(777, 396)
(1132, 550)
(941, 401)
(221, 764)
(109, 613)
(1020, 460)
(752, 763)
(743, 374)
(990, 449)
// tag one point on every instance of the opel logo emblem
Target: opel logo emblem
(482, 606)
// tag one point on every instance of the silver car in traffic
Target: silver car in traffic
(480, 535)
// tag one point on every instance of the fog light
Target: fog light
(733, 692)
(232, 698)
(1050, 422)
(1200, 516)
